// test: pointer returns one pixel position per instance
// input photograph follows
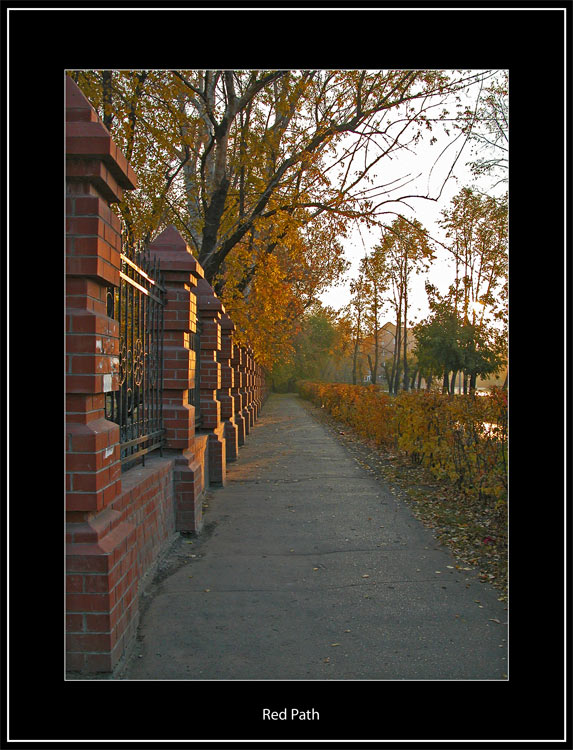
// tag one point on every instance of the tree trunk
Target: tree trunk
(453, 382)
(373, 368)
(388, 375)
(211, 229)
(356, 347)
(397, 344)
(406, 379)
(354, 362)
(413, 379)
(445, 382)
(106, 99)
(376, 353)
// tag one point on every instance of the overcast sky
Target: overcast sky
(428, 212)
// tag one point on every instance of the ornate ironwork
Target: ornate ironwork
(137, 304)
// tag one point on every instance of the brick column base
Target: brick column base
(189, 480)
(217, 455)
(231, 433)
(101, 601)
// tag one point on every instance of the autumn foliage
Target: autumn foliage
(263, 172)
(462, 439)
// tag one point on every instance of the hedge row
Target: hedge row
(459, 438)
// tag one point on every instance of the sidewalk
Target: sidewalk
(310, 569)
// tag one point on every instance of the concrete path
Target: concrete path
(310, 569)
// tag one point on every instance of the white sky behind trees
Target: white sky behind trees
(433, 172)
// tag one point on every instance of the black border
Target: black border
(43, 43)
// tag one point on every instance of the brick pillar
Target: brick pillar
(181, 272)
(244, 390)
(225, 393)
(101, 604)
(237, 393)
(249, 389)
(210, 310)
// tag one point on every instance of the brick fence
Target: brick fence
(118, 523)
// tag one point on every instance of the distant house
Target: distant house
(386, 345)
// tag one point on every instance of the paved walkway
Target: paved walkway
(310, 569)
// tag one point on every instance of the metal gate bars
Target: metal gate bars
(137, 305)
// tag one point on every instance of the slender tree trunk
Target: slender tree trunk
(398, 344)
(356, 347)
(354, 362)
(372, 370)
(406, 379)
(388, 375)
(375, 369)
(392, 370)
(453, 382)
(106, 99)
(413, 379)
(445, 382)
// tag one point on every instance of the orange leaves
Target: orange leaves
(266, 311)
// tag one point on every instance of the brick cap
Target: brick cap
(226, 323)
(104, 546)
(206, 297)
(94, 529)
(174, 254)
(78, 109)
(88, 138)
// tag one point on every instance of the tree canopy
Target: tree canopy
(262, 170)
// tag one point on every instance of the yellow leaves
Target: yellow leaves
(273, 275)
(264, 311)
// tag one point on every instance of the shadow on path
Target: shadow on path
(309, 568)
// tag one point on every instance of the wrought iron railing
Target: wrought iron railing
(137, 305)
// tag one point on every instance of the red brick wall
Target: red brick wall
(108, 558)
(119, 524)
